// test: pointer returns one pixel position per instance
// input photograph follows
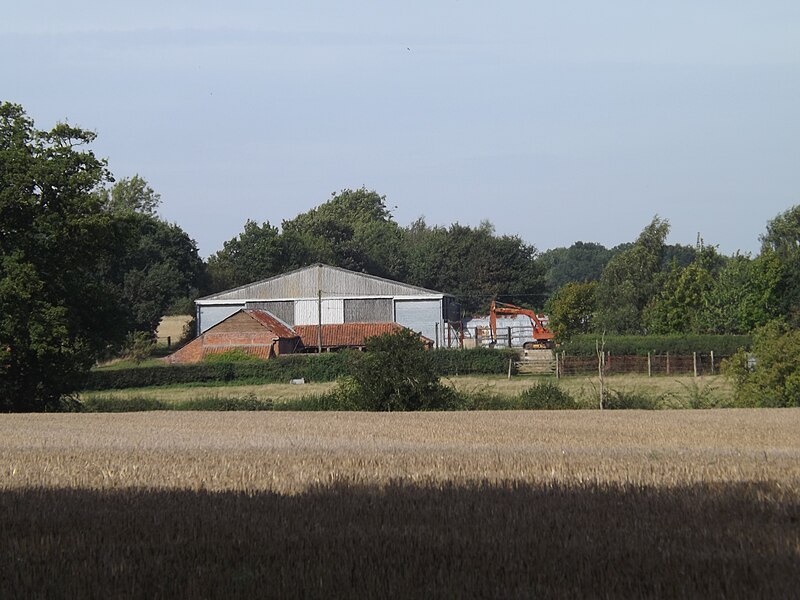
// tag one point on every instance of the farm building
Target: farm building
(258, 333)
(324, 295)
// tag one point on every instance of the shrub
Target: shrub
(773, 378)
(640, 345)
(395, 374)
(626, 400)
(546, 396)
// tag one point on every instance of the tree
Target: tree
(474, 264)
(571, 309)
(782, 239)
(745, 295)
(155, 265)
(59, 312)
(257, 253)
(773, 379)
(630, 280)
(131, 195)
(581, 262)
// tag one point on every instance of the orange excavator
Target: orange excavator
(542, 336)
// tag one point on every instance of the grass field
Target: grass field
(667, 392)
(498, 504)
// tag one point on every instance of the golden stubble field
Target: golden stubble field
(488, 504)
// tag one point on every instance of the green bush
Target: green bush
(480, 361)
(629, 400)
(107, 404)
(396, 373)
(546, 396)
(772, 377)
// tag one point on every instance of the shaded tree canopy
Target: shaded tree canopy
(581, 262)
(59, 310)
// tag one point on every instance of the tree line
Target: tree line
(87, 265)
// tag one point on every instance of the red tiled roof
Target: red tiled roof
(272, 322)
(344, 335)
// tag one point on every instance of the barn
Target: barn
(325, 295)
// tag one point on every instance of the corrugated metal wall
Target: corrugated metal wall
(421, 316)
(306, 312)
(308, 282)
(368, 310)
(283, 309)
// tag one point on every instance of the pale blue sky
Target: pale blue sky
(557, 121)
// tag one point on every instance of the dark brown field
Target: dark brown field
(512, 504)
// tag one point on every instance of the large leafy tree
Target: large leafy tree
(474, 264)
(782, 239)
(630, 280)
(352, 230)
(581, 262)
(155, 264)
(56, 242)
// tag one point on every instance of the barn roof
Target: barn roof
(270, 321)
(331, 281)
(342, 335)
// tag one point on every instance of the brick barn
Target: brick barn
(255, 332)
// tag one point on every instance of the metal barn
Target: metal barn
(321, 294)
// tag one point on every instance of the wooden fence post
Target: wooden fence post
(649, 366)
(558, 374)
(694, 362)
(712, 362)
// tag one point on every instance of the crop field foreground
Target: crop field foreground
(488, 504)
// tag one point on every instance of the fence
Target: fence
(653, 364)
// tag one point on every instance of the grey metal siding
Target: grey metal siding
(331, 281)
(421, 316)
(368, 310)
(283, 309)
(211, 315)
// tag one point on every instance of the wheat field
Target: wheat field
(490, 504)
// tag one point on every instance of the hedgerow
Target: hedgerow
(640, 345)
(311, 367)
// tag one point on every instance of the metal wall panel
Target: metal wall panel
(306, 312)
(283, 309)
(368, 310)
(421, 316)
(211, 315)
(331, 281)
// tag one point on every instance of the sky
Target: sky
(557, 121)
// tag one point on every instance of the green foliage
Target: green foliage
(139, 345)
(546, 396)
(479, 361)
(629, 400)
(782, 239)
(155, 265)
(231, 356)
(311, 367)
(395, 374)
(572, 309)
(630, 280)
(640, 345)
(59, 311)
(580, 263)
(474, 264)
(131, 195)
(773, 379)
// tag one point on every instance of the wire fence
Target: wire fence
(696, 364)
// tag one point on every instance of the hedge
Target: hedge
(640, 345)
(311, 367)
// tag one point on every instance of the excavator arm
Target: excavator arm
(542, 335)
